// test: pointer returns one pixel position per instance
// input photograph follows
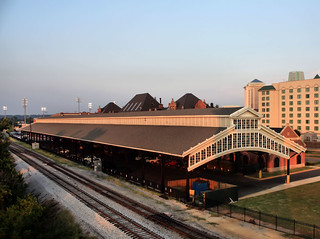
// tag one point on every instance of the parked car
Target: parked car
(172, 164)
(153, 161)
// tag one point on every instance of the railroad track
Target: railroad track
(159, 218)
(124, 223)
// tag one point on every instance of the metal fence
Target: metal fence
(258, 218)
(274, 222)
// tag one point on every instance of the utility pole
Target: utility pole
(90, 107)
(78, 100)
(43, 109)
(24, 104)
(5, 111)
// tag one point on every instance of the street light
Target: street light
(5, 111)
(78, 100)
(90, 107)
(24, 104)
(43, 109)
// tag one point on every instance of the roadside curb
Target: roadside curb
(282, 175)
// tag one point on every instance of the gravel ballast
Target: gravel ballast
(95, 225)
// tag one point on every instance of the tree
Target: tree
(21, 215)
(6, 124)
(19, 219)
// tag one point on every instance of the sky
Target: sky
(52, 52)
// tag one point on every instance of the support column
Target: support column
(76, 146)
(260, 160)
(91, 152)
(83, 145)
(102, 158)
(143, 158)
(187, 186)
(63, 147)
(288, 171)
(162, 174)
(69, 147)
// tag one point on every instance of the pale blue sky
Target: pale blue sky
(54, 51)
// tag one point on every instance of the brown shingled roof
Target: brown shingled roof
(188, 101)
(207, 111)
(171, 140)
(141, 102)
(111, 107)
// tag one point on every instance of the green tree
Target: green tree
(21, 215)
(12, 185)
(19, 219)
(5, 124)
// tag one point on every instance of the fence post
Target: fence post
(314, 231)
(259, 218)
(244, 214)
(294, 226)
(276, 223)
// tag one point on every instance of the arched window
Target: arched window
(276, 163)
(299, 159)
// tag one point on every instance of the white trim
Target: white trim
(272, 141)
(243, 110)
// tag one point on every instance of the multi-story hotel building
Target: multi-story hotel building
(251, 94)
(294, 102)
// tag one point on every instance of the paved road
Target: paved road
(272, 182)
(314, 160)
(248, 185)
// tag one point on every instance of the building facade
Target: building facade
(231, 136)
(296, 75)
(251, 94)
(295, 102)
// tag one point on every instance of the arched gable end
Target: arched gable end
(245, 134)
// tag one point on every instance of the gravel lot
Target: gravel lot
(95, 225)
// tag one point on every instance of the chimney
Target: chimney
(160, 105)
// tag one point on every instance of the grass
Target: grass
(300, 203)
(20, 143)
(279, 173)
(56, 158)
(103, 176)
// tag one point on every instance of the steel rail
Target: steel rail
(165, 221)
(124, 223)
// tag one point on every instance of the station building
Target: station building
(228, 139)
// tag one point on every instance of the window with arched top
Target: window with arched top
(299, 159)
(276, 163)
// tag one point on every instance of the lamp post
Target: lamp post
(90, 107)
(78, 100)
(24, 104)
(5, 111)
(43, 109)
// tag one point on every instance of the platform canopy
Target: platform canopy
(169, 140)
(200, 135)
